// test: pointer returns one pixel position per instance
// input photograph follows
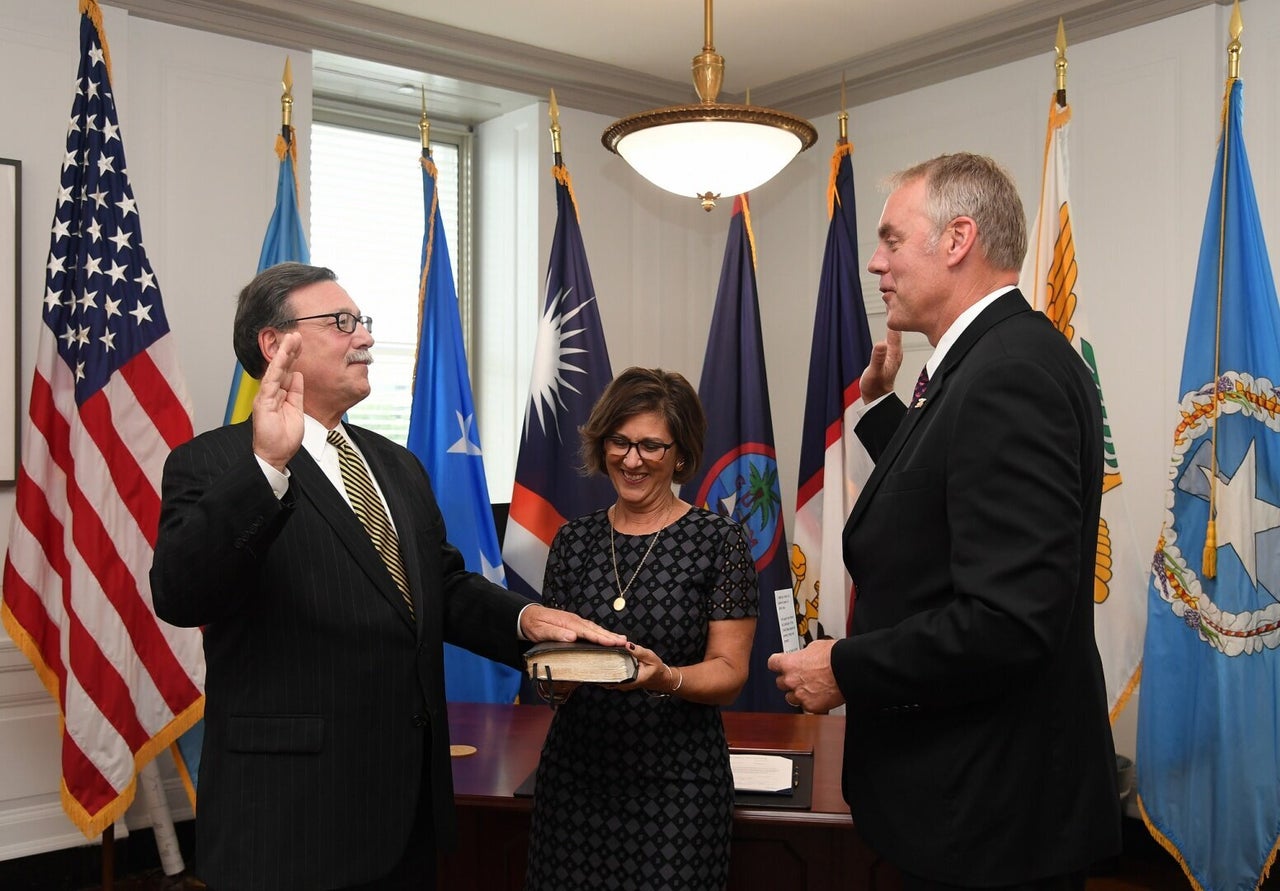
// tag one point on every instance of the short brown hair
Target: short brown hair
(968, 185)
(637, 391)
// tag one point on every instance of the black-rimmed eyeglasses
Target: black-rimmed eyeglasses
(648, 449)
(344, 321)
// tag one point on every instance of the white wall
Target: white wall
(199, 113)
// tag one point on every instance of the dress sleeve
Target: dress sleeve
(554, 577)
(735, 591)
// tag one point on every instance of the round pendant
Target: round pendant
(619, 603)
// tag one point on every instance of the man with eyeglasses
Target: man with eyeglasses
(314, 555)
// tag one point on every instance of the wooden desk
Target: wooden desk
(777, 850)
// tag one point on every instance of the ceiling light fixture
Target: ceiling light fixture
(710, 149)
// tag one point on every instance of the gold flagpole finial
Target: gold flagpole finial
(286, 98)
(554, 113)
(1060, 64)
(1233, 48)
(424, 125)
(844, 112)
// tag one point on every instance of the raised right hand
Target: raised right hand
(882, 370)
(277, 409)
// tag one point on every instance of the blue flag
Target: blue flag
(739, 474)
(443, 434)
(1208, 764)
(570, 371)
(833, 463)
(285, 241)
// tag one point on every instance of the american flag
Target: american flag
(107, 406)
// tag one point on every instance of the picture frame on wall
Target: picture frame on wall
(10, 315)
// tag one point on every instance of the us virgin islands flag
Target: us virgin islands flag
(1208, 763)
(1049, 281)
(570, 371)
(833, 462)
(442, 433)
(739, 473)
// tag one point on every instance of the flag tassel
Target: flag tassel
(1209, 569)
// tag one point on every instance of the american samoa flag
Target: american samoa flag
(570, 371)
(833, 463)
(107, 406)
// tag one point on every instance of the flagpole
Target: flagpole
(1060, 64)
(1209, 560)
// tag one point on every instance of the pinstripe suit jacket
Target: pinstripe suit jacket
(324, 698)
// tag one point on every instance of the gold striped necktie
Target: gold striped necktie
(368, 507)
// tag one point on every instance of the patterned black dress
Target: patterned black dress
(634, 792)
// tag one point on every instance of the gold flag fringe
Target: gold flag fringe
(429, 166)
(561, 173)
(842, 149)
(94, 12)
(751, 236)
(289, 147)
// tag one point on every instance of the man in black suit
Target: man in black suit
(978, 751)
(326, 748)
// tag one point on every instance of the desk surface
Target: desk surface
(508, 740)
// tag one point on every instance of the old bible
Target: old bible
(580, 662)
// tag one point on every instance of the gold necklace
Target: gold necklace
(620, 602)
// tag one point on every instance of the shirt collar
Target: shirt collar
(963, 321)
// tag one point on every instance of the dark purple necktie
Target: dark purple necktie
(921, 383)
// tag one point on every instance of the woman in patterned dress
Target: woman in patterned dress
(633, 788)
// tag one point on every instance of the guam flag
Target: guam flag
(443, 435)
(1208, 764)
(570, 371)
(739, 473)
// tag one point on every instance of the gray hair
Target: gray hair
(968, 185)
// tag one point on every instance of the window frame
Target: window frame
(336, 112)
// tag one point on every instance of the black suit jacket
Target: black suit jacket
(978, 748)
(325, 700)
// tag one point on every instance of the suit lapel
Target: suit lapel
(333, 508)
(1004, 306)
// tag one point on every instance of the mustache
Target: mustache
(359, 357)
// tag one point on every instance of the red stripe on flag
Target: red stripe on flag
(82, 782)
(834, 434)
(118, 585)
(809, 488)
(157, 398)
(51, 424)
(535, 513)
(136, 491)
(27, 610)
(102, 683)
